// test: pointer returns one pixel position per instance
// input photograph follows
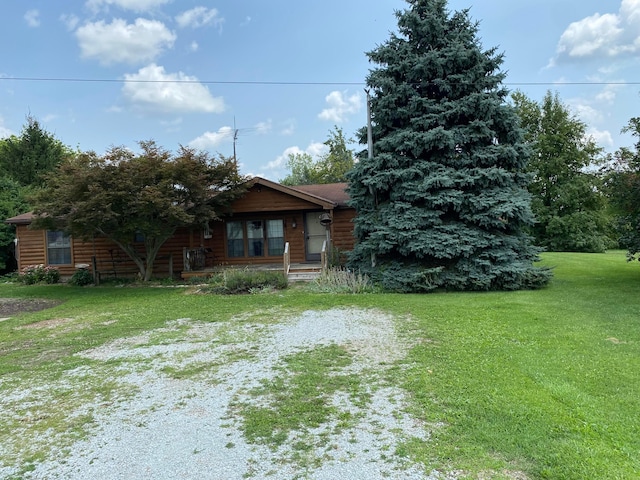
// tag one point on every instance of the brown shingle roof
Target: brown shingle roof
(335, 192)
(22, 219)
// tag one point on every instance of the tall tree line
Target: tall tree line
(24, 160)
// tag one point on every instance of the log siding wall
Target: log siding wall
(260, 203)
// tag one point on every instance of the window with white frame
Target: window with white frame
(58, 248)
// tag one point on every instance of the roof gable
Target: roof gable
(327, 196)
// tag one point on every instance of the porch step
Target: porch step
(304, 272)
(302, 276)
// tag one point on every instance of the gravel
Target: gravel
(169, 428)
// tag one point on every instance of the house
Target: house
(271, 224)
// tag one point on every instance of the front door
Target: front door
(315, 235)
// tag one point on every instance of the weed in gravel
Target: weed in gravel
(299, 398)
(40, 420)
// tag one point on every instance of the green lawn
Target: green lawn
(542, 382)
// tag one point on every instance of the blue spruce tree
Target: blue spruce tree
(443, 202)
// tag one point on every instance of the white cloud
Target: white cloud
(50, 117)
(134, 5)
(288, 129)
(154, 89)
(194, 46)
(340, 106)
(608, 94)
(172, 125)
(601, 137)
(262, 128)
(606, 35)
(315, 149)
(32, 17)
(209, 140)
(584, 111)
(70, 20)
(199, 17)
(121, 42)
(4, 131)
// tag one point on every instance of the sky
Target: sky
(279, 75)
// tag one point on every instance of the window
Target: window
(263, 238)
(255, 234)
(235, 239)
(275, 237)
(58, 248)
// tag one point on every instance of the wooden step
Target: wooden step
(302, 276)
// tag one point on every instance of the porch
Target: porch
(195, 265)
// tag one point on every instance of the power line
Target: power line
(274, 83)
(205, 82)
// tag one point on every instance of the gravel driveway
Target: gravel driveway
(192, 427)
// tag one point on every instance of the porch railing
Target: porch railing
(324, 257)
(193, 259)
(286, 259)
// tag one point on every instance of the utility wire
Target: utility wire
(275, 83)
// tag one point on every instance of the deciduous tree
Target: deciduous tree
(623, 188)
(12, 202)
(123, 194)
(331, 167)
(444, 200)
(568, 202)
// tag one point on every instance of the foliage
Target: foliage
(234, 281)
(303, 170)
(122, 194)
(32, 274)
(81, 278)
(35, 152)
(12, 203)
(568, 202)
(342, 280)
(623, 189)
(337, 257)
(443, 203)
(330, 168)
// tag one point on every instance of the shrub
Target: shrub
(247, 281)
(32, 274)
(342, 280)
(81, 277)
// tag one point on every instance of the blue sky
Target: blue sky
(283, 73)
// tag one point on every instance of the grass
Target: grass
(298, 397)
(546, 382)
(543, 382)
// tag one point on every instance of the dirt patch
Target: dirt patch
(53, 323)
(10, 307)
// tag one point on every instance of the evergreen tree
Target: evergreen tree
(35, 152)
(443, 203)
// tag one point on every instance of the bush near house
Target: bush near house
(32, 274)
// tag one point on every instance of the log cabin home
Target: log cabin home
(271, 226)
